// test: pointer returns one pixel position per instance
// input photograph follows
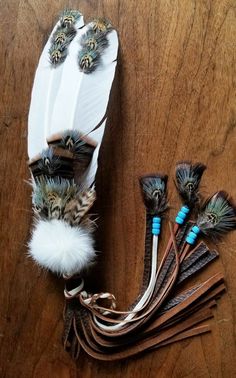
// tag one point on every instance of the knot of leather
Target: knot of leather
(90, 300)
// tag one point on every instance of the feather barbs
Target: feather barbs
(187, 180)
(154, 191)
(93, 42)
(69, 17)
(217, 216)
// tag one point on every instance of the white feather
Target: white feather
(63, 249)
(46, 84)
(82, 99)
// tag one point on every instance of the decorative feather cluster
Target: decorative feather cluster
(59, 198)
(77, 147)
(73, 140)
(93, 43)
(62, 236)
(49, 162)
(62, 36)
(61, 207)
(154, 193)
(217, 216)
(187, 181)
(69, 17)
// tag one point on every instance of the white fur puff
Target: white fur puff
(63, 249)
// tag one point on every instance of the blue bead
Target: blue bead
(181, 215)
(190, 240)
(156, 229)
(156, 232)
(179, 220)
(196, 229)
(156, 220)
(192, 235)
(155, 225)
(185, 209)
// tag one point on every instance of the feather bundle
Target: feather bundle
(57, 193)
(187, 180)
(67, 119)
(64, 143)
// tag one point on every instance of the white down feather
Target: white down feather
(63, 249)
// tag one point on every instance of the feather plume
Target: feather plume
(58, 198)
(218, 216)
(187, 180)
(53, 162)
(63, 35)
(154, 191)
(69, 17)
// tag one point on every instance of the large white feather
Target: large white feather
(46, 85)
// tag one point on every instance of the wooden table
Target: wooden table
(173, 99)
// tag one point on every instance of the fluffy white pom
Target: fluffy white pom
(63, 249)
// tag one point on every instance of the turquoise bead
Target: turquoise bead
(190, 240)
(179, 220)
(196, 229)
(156, 226)
(192, 235)
(156, 232)
(185, 209)
(181, 215)
(156, 229)
(156, 220)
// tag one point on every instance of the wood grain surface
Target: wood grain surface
(173, 99)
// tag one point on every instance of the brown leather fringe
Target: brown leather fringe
(168, 317)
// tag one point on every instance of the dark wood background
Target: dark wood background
(174, 98)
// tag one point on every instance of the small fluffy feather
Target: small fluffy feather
(63, 249)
